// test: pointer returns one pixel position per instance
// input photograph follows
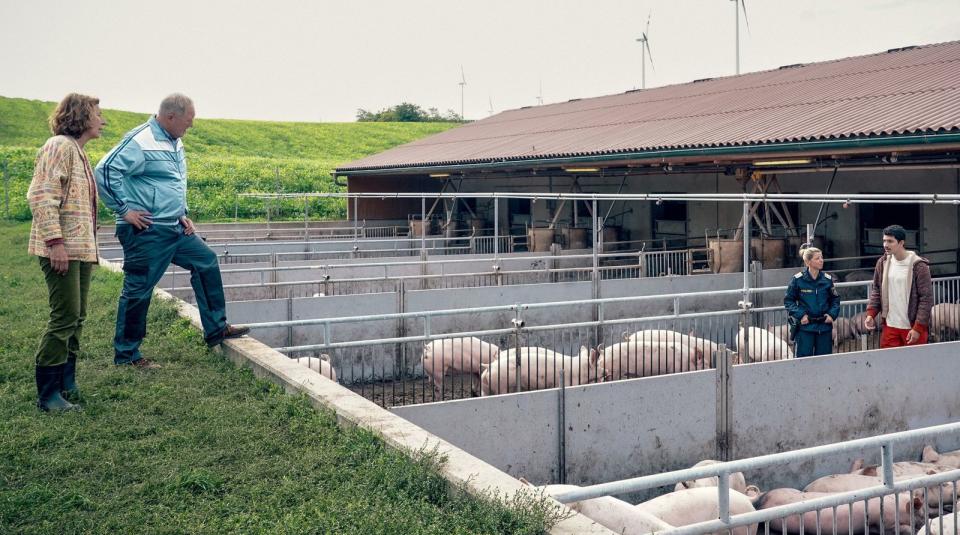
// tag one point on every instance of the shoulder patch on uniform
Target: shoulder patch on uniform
(798, 275)
(829, 276)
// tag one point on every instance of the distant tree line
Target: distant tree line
(408, 113)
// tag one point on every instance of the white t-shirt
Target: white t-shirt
(897, 277)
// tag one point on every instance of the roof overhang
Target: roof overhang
(741, 155)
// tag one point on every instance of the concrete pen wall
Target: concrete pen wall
(651, 425)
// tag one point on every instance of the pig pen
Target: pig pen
(377, 352)
(596, 433)
(379, 357)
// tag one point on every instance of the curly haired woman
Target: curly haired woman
(63, 199)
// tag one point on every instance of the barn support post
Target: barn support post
(595, 273)
(562, 432)
(745, 304)
(724, 404)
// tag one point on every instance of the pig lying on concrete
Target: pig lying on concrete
(703, 349)
(320, 364)
(904, 469)
(645, 358)
(949, 522)
(945, 321)
(764, 346)
(538, 368)
(950, 458)
(690, 506)
(849, 482)
(456, 356)
(737, 482)
(910, 511)
(611, 513)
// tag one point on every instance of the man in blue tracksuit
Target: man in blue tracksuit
(813, 301)
(144, 180)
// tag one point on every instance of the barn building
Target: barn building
(882, 123)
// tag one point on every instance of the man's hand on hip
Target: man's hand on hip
(138, 219)
(188, 227)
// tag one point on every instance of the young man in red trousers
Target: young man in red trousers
(901, 293)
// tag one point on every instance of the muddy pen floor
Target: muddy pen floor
(414, 390)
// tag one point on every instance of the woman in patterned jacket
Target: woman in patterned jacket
(63, 199)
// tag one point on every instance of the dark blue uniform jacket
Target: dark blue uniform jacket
(813, 297)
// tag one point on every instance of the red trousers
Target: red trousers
(894, 337)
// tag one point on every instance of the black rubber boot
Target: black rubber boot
(49, 383)
(69, 388)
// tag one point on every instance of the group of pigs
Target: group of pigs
(641, 354)
(696, 501)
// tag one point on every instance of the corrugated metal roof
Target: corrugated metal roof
(906, 91)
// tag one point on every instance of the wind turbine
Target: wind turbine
(540, 94)
(737, 4)
(644, 41)
(462, 83)
(491, 105)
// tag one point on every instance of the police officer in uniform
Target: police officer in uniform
(813, 301)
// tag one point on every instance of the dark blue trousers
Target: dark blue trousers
(811, 343)
(146, 256)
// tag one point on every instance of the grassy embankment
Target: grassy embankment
(199, 446)
(225, 157)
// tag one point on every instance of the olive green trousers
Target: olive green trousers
(68, 308)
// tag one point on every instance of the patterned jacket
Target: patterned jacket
(63, 199)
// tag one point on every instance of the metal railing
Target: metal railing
(486, 244)
(675, 262)
(671, 341)
(427, 242)
(291, 233)
(889, 486)
(325, 283)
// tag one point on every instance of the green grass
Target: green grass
(225, 157)
(199, 446)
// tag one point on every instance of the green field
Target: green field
(198, 446)
(225, 157)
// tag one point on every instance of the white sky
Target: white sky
(321, 60)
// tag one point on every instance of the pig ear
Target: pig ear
(594, 357)
(625, 336)
(483, 367)
(929, 454)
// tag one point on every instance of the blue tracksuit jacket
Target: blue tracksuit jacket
(147, 170)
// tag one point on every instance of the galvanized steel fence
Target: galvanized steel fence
(430, 356)
(885, 504)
